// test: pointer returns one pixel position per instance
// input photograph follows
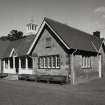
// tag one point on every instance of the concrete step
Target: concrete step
(11, 77)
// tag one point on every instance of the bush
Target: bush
(52, 78)
(23, 76)
(59, 79)
(31, 77)
(3, 75)
(43, 78)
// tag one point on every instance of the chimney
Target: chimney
(96, 34)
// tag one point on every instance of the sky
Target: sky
(86, 15)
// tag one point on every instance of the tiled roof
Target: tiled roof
(21, 46)
(74, 38)
(3, 47)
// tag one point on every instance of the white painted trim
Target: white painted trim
(94, 47)
(72, 67)
(58, 36)
(26, 71)
(100, 48)
(8, 64)
(13, 62)
(38, 34)
(9, 70)
(103, 42)
(19, 63)
(3, 65)
(100, 68)
(26, 66)
(13, 50)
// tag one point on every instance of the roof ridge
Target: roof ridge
(45, 18)
(89, 36)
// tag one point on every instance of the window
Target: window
(6, 63)
(23, 62)
(48, 42)
(86, 62)
(89, 62)
(30, 62)
(49, 64)
(11, 62)
(57, 61)
(17, 62)
(45, 62)
(41, 62)
(52, 61)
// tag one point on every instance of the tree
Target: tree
(15, 35)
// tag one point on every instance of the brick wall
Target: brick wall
(56, 49)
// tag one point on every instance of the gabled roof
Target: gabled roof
(21, 46)
(3, 47)
(13, 53)
(74, 38)
(71, 37)
(96, 41)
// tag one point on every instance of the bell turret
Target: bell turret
(31, 28)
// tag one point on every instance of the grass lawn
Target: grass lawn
(32, 93)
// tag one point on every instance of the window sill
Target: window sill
(86, 67)
(48, 68)
(48, 47)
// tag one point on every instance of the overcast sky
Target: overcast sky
(86, 15)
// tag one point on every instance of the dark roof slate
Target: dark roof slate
(21, 46)
(75, 38)
(3, 47)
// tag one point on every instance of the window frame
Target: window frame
(50, 62)
(86, 62)
(48, 42)
(6, 63)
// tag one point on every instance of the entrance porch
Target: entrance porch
(18, 65)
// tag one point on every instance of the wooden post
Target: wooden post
(14, 62)
(26, 63)
(3, 65)
(8, 64)
(19, 65)
(100, 68)
(72, 69)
